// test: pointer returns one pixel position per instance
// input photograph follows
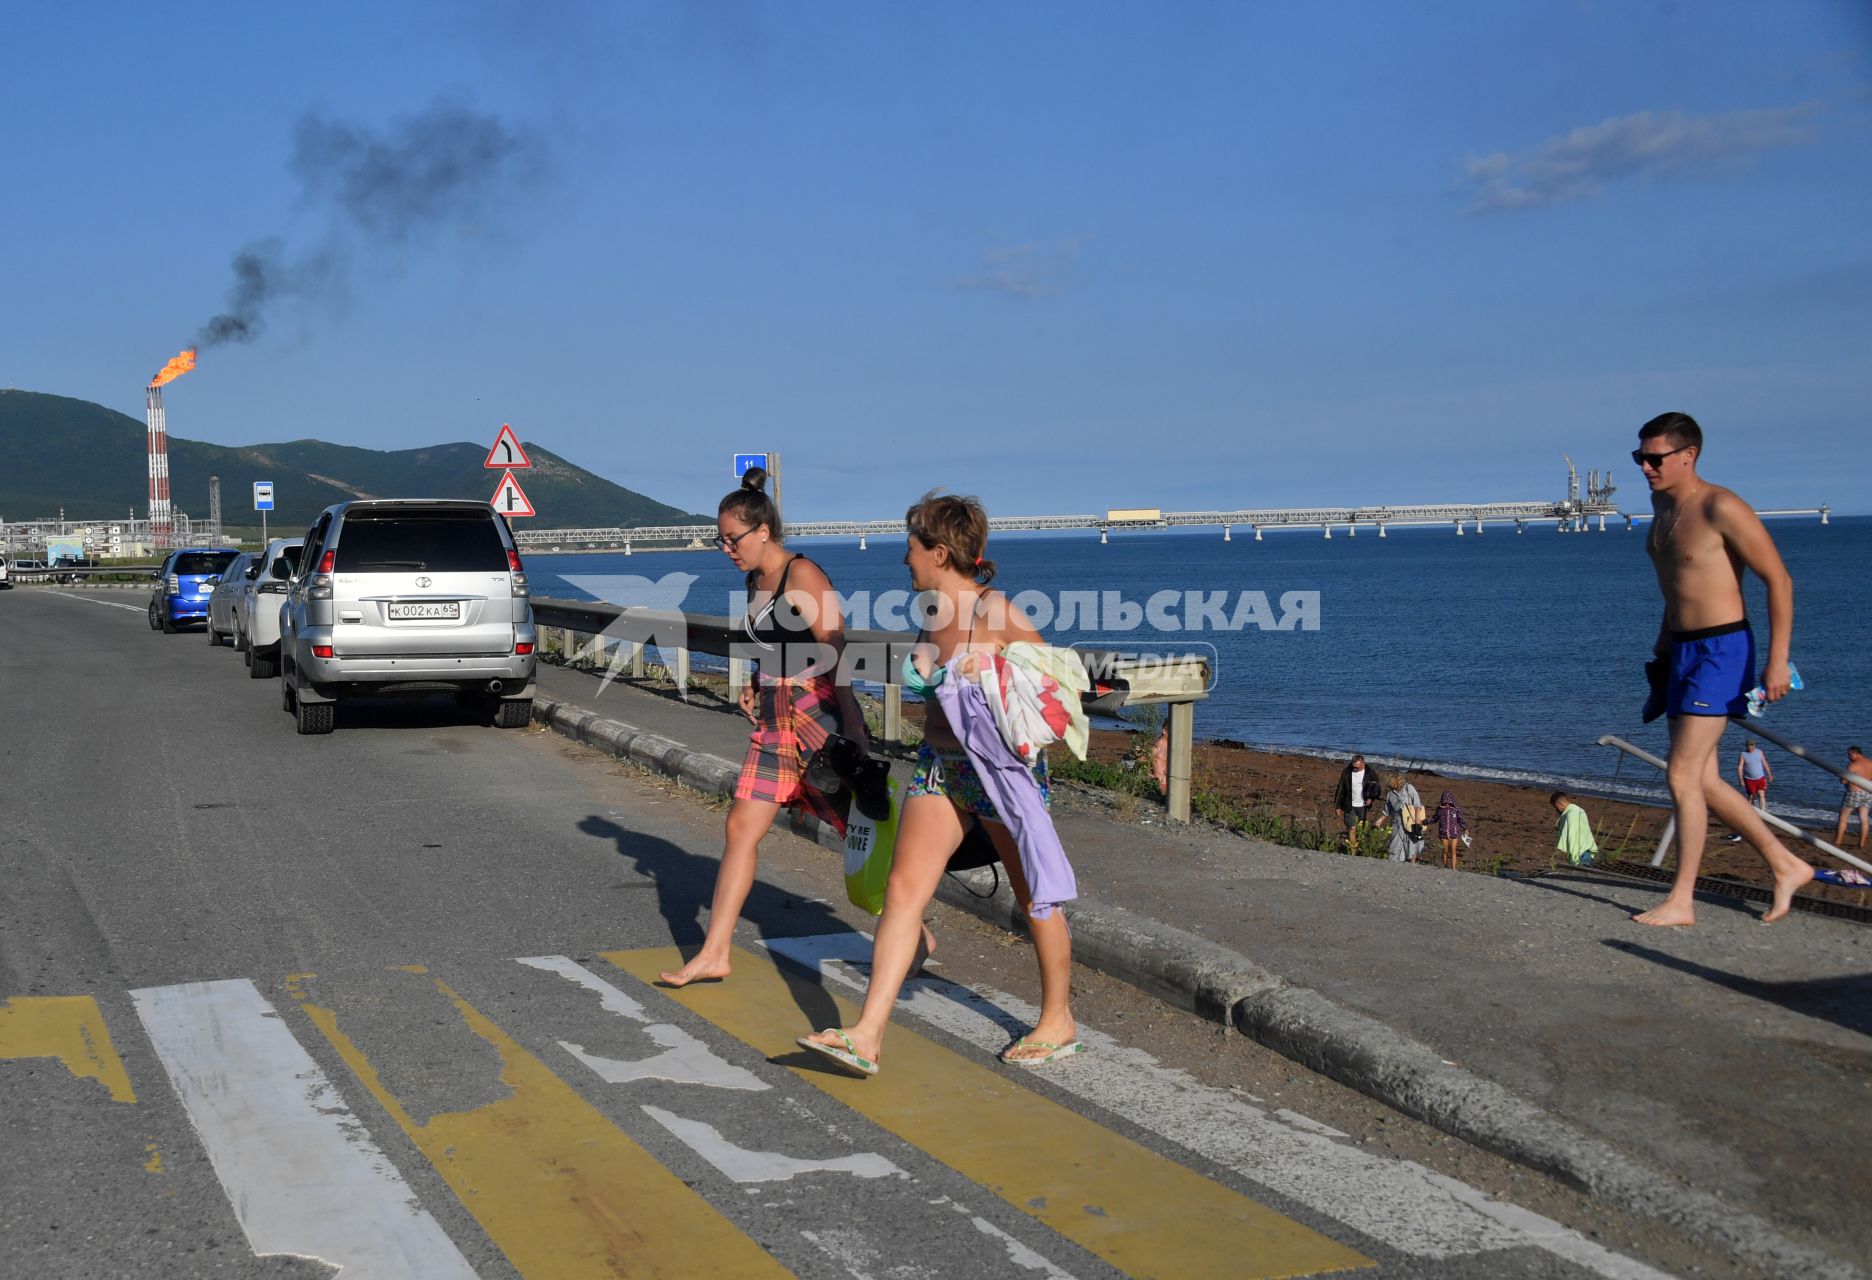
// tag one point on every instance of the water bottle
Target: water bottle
(1758, 696)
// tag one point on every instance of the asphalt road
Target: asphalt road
(378, 1001)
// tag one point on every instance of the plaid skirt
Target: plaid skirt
(795, 718)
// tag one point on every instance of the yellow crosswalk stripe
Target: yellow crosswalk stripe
(1143, 1213)
(69, 1028)
(560, 1189)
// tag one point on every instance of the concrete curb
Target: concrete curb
(1355, 1049)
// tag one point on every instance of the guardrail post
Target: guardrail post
(1182, 748)
(893, 713)
(637, 660)
(682, 668)
(737, 676)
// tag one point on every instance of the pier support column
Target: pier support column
(1602, 522)
(1227, 534)
(1825, 515)
(1257, 530)
(627, 549)
(1630, 524)
(1381, 531)
(1351, 531)
(1520, 526)
(1102, 538)
(1182, 748)
(1329, 533)
(1478, 524)
(861, 543)
(1459, 528)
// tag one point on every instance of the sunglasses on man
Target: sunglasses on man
(1656, 460)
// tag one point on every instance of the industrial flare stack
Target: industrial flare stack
(162, 524)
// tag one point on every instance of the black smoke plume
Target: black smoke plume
(446, 168)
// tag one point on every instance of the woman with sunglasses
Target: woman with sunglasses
(947, 536)
(794, 703)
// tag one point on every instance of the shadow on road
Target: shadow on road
(1844, 1001)
(684, 883)
(1550, 883)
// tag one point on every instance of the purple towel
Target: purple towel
(1011, 786)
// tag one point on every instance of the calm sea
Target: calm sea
(1502, 656)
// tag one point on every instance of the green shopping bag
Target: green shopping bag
(868, 846)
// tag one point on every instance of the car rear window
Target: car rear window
(421, 542)
(203, 562)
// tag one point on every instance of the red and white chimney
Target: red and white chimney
(162, 524)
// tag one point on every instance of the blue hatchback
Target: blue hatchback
(183, 585)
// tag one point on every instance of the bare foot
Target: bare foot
(700, 969)
(1042, 1042)
(1784, 892)
(926, 947)
(835, 1038)
(1668, 915)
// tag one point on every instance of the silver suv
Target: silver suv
(410, 595)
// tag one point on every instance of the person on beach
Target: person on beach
(1702, 537)
(1574, 835)
(1451, 827)
(1753, 774)
(947, 538)
(1403, 809)
(1356, 798)
(1856, 797)
(796, 699)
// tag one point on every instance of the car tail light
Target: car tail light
(523, 647)
(520, 587)
(320, 587)
(175, 585)
(513, 562)
(321, 651)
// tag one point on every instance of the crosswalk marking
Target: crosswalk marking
(561, 1190)
(743, 1165)
(684, 1060)
(300, 1171)
(1141, 1212)
(69, 1028)
(1399, 1202)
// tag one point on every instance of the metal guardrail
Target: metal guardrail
(1117, 680)
(1772, 819)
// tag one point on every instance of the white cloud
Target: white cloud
(1034, 270)
(1578, 164)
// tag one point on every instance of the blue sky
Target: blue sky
(1066, 256)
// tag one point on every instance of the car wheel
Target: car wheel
(240, 637)
(261, 665)
(169, 627)
(154, 625)
(286, 689)
(514, 713)
(214, 637)
(315, 717)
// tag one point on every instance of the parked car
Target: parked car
(221, 601)
(257, 611)
(28, 570)
(413, 595)
(183, 584)
(62, 568)
(5, 581)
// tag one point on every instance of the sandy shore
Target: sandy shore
(1514, 824)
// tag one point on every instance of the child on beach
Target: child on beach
(1451, 828)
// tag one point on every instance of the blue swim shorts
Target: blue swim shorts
(1712, 671)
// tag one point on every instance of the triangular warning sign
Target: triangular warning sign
(509, 499)
(506, 451)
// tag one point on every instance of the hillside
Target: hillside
(56, 451)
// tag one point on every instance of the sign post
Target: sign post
(263, 503)
(507, 457)
(768, 462)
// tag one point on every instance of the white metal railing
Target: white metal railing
(1774, 820)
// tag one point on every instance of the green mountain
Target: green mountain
(59, 452)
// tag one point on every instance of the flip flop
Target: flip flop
(1054, 1052)
(846, 1057)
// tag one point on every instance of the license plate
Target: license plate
(425, 609)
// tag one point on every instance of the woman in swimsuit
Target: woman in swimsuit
(796, 700)
(947, 536)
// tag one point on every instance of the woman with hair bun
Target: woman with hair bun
(795, 701)
(948, 537)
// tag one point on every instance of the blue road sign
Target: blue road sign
(744, 461)
(263, 495)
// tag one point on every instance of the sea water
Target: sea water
(1500, 655)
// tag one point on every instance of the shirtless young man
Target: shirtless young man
(1702, 537)
(1859, 798)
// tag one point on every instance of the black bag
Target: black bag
(976, 849)
(839, 764)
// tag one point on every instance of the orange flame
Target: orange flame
(178, 366)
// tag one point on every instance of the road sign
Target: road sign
(509, 499)
(263, 495)
(743, 462)
(507, 451)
